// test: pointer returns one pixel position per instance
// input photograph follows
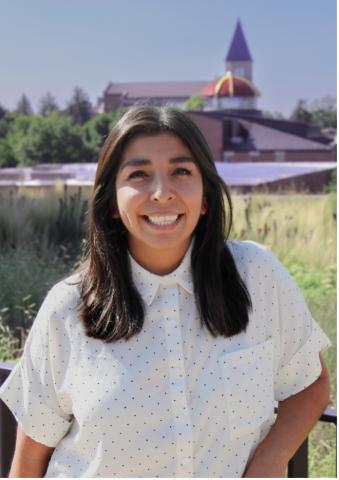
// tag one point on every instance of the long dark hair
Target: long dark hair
(111, 307)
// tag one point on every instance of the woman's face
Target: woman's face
(159, 192)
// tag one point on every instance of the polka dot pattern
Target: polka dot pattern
(172, 401)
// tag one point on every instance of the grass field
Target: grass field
(41, 236)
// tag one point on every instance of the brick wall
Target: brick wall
(212, 129)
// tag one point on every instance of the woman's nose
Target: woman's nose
(162, 191)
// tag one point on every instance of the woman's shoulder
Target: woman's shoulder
(248, 254)
(67, 286)
(247, 249)
(64, 295)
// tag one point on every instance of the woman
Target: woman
(165, 354)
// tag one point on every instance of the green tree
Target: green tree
(195, 102)
(321, 112)
(7, 157)
(52, 139)
(6, 122)
(48, 105)
(324, 112)
(24, 106)
(274, 115)
(97, 129)
(3, 111)
(332, 185)
(301, 112)
(79, 107)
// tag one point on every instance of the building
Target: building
(234, 126)
(242, 176)
(155, 93)
(238, 132)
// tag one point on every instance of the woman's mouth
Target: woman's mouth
(162, 221)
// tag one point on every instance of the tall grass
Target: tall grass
(299, 229)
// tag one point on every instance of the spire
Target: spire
(238, 50)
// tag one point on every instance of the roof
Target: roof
(263, 138)
(156, 89)
(230, 85)
(258, 173)
(238, 50)
(260, 133)
(234, 174)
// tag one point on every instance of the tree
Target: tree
(321, 112)
(48, 105)
(79, 108)
(301, 112)
(97, 129)
(274, 115)
(52, 139)
(3, 111)
(324, 112)
(24, 106)
(195, 102)
(6, 122)
(7, 157)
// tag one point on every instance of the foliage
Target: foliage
(274, 115)
(6, 122)
(324, 112)
(195, 102)
(7, 157)
(40, 241)
(332, 186)
(301, 113)
(97, 129)
(79, 107)
(42, 222)
(24, 106)
(48, 105)
(3, 111)
(9, 344)
(321, 112)
(52, 139)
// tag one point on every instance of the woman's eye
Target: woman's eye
(137, 174)
(182, 171)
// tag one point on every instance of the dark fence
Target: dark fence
(297, 467)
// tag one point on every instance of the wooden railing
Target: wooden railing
(297, 467)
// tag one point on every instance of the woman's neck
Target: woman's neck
(159, 261)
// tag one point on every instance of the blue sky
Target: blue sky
(48, 45)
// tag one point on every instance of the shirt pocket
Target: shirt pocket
(249, 386)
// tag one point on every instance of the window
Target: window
(228, 156)
(279, 155)
(239, 71)
(254, 156)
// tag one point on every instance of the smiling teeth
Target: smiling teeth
(163, 220)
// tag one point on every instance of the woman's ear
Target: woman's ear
(204, 207)
(115, 214)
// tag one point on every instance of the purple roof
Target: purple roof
(238, 50)
(258, 173)
(234, 174)
(156, 89)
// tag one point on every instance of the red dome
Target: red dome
(230, 86)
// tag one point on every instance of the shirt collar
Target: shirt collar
(148, 283)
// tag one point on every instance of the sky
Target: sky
(53, 46)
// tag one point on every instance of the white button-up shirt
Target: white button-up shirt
(172, 401)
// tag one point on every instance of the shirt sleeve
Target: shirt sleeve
(301, 339)
(29, 391)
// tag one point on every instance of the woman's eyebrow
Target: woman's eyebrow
(137, 162)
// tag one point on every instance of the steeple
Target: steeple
(238, 59)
